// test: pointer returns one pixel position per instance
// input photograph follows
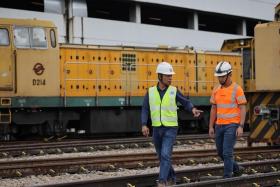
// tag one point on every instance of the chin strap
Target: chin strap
(223, 83)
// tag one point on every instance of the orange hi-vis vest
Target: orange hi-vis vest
(227, 101)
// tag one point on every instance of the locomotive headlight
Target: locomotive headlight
(257, 110)
(261, 110)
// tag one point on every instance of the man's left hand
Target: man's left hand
(196, 112)
(239, 132)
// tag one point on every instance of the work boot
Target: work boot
(161, 184)
(239, 172)
(170, 183)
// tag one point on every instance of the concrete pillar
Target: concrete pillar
(135, 13)
(195, 21)
(244, 28)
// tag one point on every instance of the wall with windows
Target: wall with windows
(171, 23)
(147, 22)
(254, 9)
(133, 34)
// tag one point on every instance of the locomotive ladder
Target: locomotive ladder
(5, 116)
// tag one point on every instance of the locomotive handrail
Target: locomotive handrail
(65, 74)
(15, 75)
(127, 78)
(252, 76)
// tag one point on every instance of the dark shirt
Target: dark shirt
(146, 106)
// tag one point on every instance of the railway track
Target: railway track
(260, 173)
(40, 148)
(54, 166)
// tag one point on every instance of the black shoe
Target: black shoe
(239, 172)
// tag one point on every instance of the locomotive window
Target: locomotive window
(53, 39)
(30, 37)
(4, 37)
(38, 38)
(21, 37)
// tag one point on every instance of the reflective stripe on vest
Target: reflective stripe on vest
(227, 105)
(240, 98)
(163, 112)
(226, 116)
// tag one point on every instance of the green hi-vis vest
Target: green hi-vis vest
(163, 112)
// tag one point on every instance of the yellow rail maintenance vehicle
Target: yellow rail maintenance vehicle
(47, 88)
(261, 70)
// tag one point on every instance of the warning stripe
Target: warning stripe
(264, 132)
(263, 99)
(276, 134)
(261, 129)
(256, 131)
(270, 132)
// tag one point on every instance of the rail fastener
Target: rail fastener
(238, 158)
(140, 164)
(215, 160)
(52, 172)
(18, 173)
(111, 167)
(4, 154)
(23, 153)
(186, 180)
(191, 162)
(84, 170)
(256, 185)
(58, 151)
(48, 139)
(252, 171)
(61, 138)
(130, 185)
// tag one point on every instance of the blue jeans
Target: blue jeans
(225, 141)
(164, 138)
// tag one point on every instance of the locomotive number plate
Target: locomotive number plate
(38, 82)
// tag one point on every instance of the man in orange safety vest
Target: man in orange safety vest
(227, 114)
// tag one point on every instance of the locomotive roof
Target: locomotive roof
(26, 22)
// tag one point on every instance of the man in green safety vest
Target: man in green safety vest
(160, 103)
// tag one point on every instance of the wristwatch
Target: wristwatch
(241, 125)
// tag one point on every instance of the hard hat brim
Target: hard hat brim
(220, 74)
(171, 73)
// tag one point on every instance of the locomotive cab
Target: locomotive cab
(29, 67)
(29, 59)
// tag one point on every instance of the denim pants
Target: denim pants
(164, 138)
(225, 141)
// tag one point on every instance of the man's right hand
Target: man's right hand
(145, 131)
(211, 132)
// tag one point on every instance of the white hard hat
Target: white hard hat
(222, 69)
(165, 68)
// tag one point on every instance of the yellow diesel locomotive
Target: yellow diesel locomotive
(47, 88)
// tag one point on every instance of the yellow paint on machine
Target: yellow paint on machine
(258, 130)
(114, 71)
(269, 133)
(267, 58)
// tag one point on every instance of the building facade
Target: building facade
(201, 24)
